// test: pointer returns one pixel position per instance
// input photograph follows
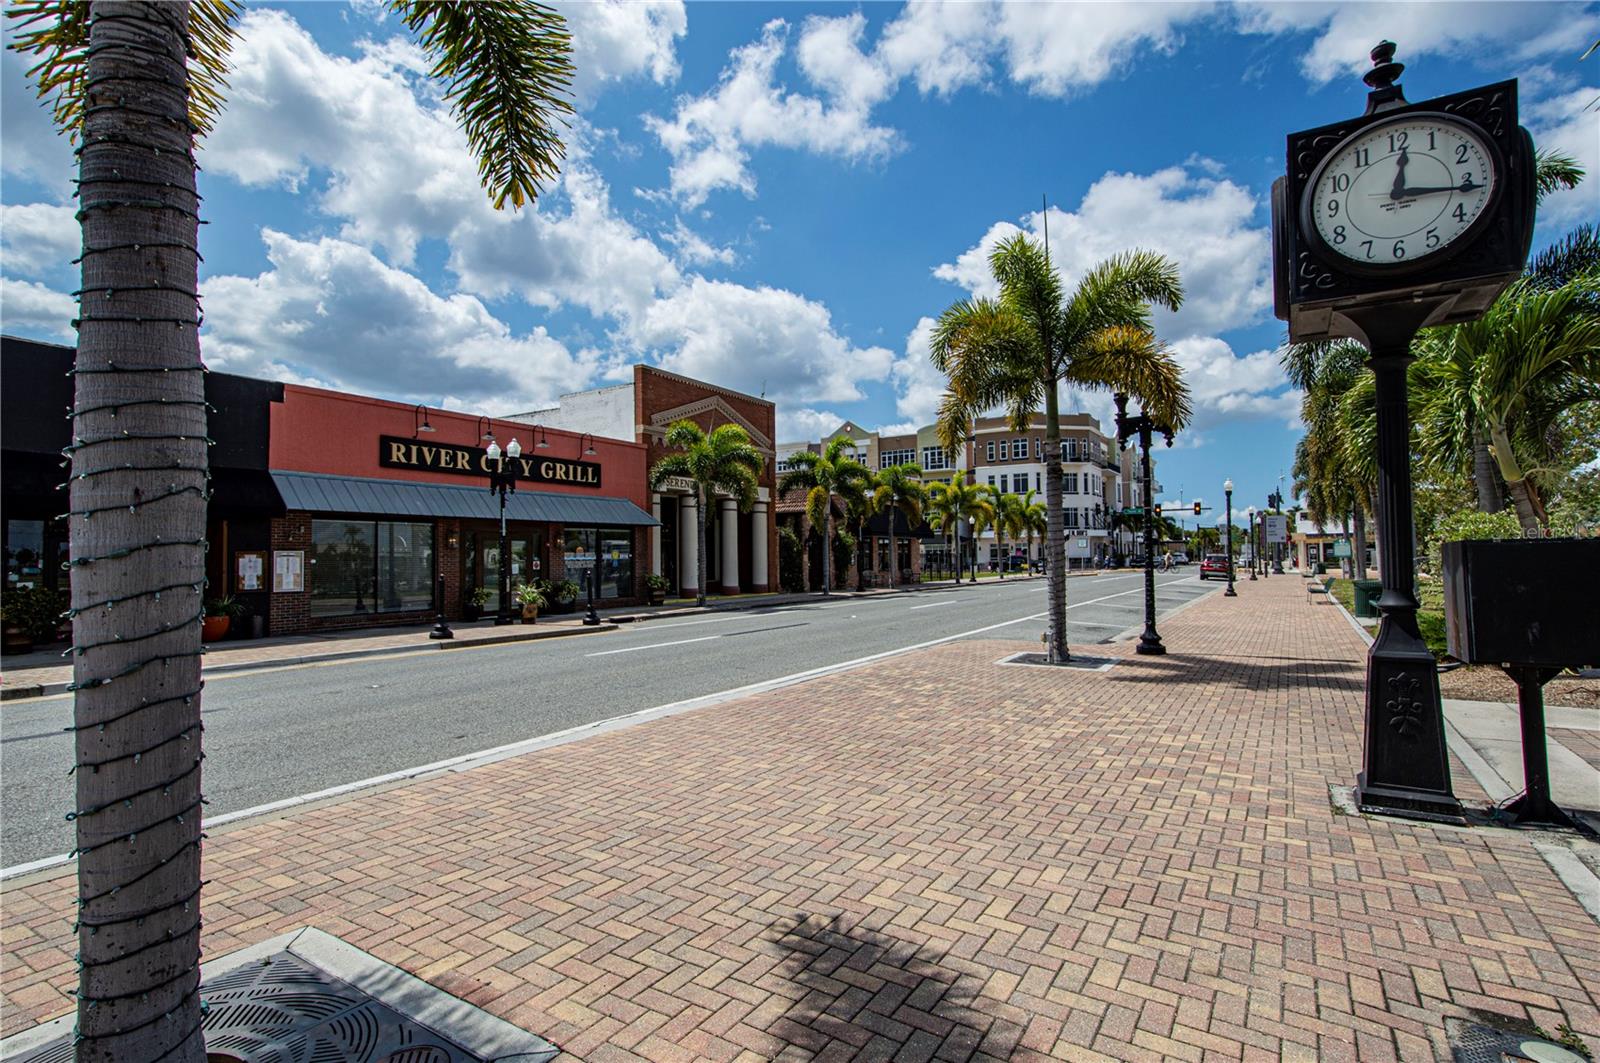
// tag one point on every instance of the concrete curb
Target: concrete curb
(39, 690)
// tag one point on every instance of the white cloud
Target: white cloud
(615, 40)
(1568, 123)
(758, 340)
(1053, 49)
(708, 135)
(804, 423)
(33, 149)
(918, 385)
(694, 249)
(1520, 30)
(943, 45)
(30, 309)
(1202, 223)
(38, 239)
(1228, 386)
(331, 311)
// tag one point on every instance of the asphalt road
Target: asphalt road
(277, 733)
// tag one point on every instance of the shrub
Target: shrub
(36, 610)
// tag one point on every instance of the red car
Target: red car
(1214, 565)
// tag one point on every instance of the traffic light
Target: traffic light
(1158, 509)
(1197, 509)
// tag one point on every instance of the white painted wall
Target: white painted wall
(604, 412)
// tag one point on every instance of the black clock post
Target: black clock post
(1407, 257)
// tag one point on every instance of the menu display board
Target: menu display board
(288, 571)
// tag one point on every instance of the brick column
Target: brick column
(289, 613)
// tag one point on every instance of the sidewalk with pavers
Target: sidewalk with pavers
(936, 857)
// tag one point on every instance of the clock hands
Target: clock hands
(1399, 189)
(1402, 192)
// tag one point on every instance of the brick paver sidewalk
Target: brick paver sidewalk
(933, 858)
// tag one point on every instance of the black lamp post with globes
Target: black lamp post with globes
(1227, 492)
(503, 481)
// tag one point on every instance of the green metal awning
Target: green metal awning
(317, 493)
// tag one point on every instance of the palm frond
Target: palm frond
(507, 68)
(57, 33)
(1554, 171)
(1133, 361)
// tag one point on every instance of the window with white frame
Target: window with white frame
(1019, 449)
(991, 481)
(990, 451)
(1005, 484)
(1069, 483)
(935, 458)
(1038, 449)
(888, 458)
(1038, 481)
(1070, 516)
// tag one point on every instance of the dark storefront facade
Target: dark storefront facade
(332, 511)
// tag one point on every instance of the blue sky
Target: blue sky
(782, 198)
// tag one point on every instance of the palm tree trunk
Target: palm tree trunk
(1358, 562)
(1055, 545)
(1485, 478)
(827, 549)
(700, 546)
(894, 554)
(1524, 497)
(137, 534)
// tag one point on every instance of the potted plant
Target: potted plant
(530, 597)
(563, 596)
(476, 602)
(220, 613)
(657, 586)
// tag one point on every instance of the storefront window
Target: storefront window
(369, 567)
(405, 567)
(24, 553)
(610, 548)
(616, 563)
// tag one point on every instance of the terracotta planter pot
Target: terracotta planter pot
(530, 614)
(214, 628)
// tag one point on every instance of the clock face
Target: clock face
(1400, 191)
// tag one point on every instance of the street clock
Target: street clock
(1430, 201)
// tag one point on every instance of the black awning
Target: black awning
(245, 491)
(317, 493)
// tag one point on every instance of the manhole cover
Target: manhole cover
(307, 997)
(1040, 660)
(1508, 1042)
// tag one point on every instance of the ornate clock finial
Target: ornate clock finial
(1385, 94)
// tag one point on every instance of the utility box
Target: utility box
(1367, 593)
(1523, 601)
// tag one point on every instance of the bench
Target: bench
(1314, 588)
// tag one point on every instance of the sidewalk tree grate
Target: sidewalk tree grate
(307, 997)
(1040, 660)
(1500, 1039)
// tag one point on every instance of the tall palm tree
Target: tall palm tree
(861, 505)
(1016, 351)
(1010, 524)
(826, 476)
(1036, 519)
(963, 508)
(900, 491)
(134, 83)
(722, 461)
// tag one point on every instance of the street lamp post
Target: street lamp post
(1227, 493)
(972, 543)
(1276, 498)
(1250, 517)
(1143, 426)
(503, 482)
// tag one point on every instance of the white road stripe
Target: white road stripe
(653, 646)
(935, 605)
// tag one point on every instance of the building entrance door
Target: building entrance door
(481, 561)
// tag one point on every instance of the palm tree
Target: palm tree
(833, 473)
(722, 461)
(1010, 524)
(1015, 352)
(860, 506)
(900, 491)
(134, 83)
(955, 503)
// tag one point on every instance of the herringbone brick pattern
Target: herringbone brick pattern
(936, 858)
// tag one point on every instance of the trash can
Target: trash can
(1367, 592)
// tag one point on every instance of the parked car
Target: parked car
(1214, 565)
(1180, 558)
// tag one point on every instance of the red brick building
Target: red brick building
(741, 548)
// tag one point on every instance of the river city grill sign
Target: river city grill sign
(397, 453)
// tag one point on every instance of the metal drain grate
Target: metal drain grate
(308, 997)
(1479, 1042)
(1040, 660)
